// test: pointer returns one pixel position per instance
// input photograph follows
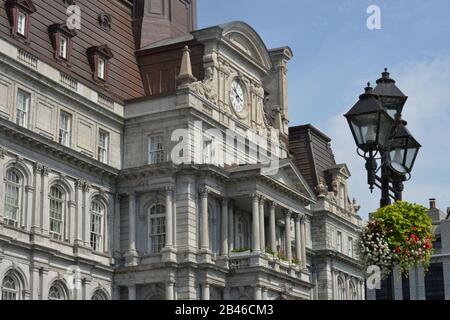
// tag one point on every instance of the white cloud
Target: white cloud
(427, 83)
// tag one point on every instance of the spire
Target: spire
(185, 77)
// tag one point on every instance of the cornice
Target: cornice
(51, 148)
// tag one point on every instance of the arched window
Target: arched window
(99, 295)
(57, 210)
(352, 292)
(13, 195)
(157, 228)
(341, 289)
(97, 214)
(57, 291)
(11, 287)
(243, 234)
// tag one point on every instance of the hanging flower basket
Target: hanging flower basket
(400, 234)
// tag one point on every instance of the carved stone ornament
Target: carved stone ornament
(204, 88)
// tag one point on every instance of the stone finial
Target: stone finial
(185, 76)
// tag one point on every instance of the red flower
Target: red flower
(415, 229)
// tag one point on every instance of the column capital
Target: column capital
(287, 213)
(273, 204)
(255, 196)
(3, 153)
(262, 198)
(299, 216)
(87, 186)
(226, 201)
(169, 189)
(203, 191)
(79, 184)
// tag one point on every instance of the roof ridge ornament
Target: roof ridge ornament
(185, 77)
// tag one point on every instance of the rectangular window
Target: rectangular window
(156, 150)
(96, 231)
(350, 247)
(63, 47)
(22, 108)
(103, 147)
(339, 241)
(101, 68)
(21, 23)
(434, 282)
(56, 214)
(65, 127)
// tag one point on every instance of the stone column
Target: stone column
(72, 219)
(37, 199)
(35, 282)
(206, 291)
(333, 284)
(45, 203)
(204, 232)
(79, 212)
(303, 239)
(87, 215)
(169, 217)
(257, 293)
(273, 240)
(256, 244)
(262, 236)
(265, 293)
(298, 245)
(132, 223)
(288, 235)
(26, 223)
(132, 292)
(117, 223)
(2, 184)
(227, 293)
(224, 227)
(363, 289)
(231, 226)
(170, 286)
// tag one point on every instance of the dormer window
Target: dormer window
(101, 68)
(99, 61)
(19, 16)
(61, 38)
(21, 23)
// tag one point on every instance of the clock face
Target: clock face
(237, 96)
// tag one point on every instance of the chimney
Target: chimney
(432, 204)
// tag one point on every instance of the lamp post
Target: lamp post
(383, 139)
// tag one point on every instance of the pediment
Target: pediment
(290, 176)
(247, 41)
(26, 5)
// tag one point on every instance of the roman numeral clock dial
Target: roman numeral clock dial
(237, 96)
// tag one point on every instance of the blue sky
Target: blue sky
(335, 54)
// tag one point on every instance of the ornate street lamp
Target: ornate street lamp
(378, 129)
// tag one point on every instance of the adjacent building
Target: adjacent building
(129, 168)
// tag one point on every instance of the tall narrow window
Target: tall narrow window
(156, 149)
(339, 241)
(65, 127)
(243, 233)
(22, 108)
(97, 214)
(103, 146)
(12, 198)
(157, 228)
(350, 247)
(10, 287)
(101, 68)
(63, 47)
(21, 23)
(341, 290)
(57, 205)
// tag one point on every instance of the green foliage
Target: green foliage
(408, 231)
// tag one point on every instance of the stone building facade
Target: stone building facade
(115, 179)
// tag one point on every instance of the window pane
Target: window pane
(22, 108)
(103, 147)
(64, 128)
(21, 23)
(156, 149)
